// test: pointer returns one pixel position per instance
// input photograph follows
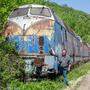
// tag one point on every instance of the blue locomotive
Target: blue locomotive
(36, 31)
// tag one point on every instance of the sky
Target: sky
(83, 5)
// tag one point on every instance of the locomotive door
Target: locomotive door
(41, 43)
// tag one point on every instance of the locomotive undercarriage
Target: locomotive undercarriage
(38, 66)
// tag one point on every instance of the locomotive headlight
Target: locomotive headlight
(12, 29)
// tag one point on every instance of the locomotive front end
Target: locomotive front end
(31, 28)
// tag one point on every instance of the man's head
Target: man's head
(64, 52)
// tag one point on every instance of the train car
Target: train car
(85, 51)
(36, 31)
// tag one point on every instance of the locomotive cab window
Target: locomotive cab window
(19, 12)
(40, 11)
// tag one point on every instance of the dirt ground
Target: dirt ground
(83, 83)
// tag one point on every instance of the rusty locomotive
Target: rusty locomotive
(36, 30)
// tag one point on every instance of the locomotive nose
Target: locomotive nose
(39, 35)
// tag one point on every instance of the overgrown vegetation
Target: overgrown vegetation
(11, 65)
(56, 84)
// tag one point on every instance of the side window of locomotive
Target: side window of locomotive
(60, 36)
(62, 33)
(65, 35)
(19, 12)
(69, 36)
(78, 46)
(40, 11)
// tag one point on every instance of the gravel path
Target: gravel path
(82, 83)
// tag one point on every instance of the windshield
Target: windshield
(40, 11)
(19, 12)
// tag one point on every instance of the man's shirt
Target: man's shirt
(64, 60)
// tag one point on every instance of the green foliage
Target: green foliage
(77, 72)
(11, 65)
(43, 85)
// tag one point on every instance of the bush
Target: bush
(11, 65)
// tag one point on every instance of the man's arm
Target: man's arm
(69, 63)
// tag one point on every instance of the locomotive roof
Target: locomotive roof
(24, 6)
(32, 5)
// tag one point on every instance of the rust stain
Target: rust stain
(41, 28)
(12, 29)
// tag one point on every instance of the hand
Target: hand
(68, 68)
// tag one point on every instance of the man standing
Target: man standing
(64, 65)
